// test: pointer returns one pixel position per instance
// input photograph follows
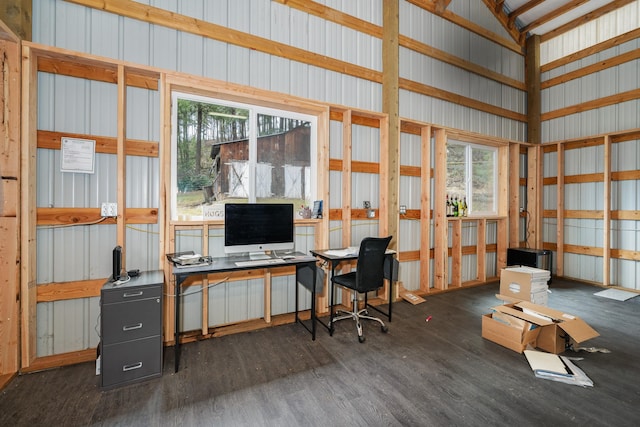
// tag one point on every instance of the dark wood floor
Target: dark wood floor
(440, 373)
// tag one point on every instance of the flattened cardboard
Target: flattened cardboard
(412, 298)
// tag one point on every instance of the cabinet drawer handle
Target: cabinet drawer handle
(132, 327)
(132, 294)
(126, 368)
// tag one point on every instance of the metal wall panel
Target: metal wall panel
(65, 326)
(620, 21)
(549, 230)
(448, 37)
(607, 82)
(172, 50)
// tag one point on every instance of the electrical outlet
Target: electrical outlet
(109, 210)
(403, 209)
(371, 213)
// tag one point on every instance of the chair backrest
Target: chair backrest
(370, 267)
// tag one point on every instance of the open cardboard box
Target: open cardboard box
(534, 325)
(512, 328)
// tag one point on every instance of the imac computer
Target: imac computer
(258, 228)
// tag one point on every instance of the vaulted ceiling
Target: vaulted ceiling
(546, 18)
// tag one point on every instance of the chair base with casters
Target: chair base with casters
(358, 316)
(369, 276)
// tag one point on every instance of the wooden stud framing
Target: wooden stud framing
(205, 283)
(347, 144)
(456, 253)
(534, 196)
(425, 209)
(321, 239)
(389, 185)
(514, 195)
(559, 261)
(121, 162)
(390, 124)
(534, 98)
(10, 71)
(167, 230)
(28, 207)
(481, 256)
(441, 227)
(606, 220)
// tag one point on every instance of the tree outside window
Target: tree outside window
(227, 152)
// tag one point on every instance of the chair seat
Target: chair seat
(348, 280)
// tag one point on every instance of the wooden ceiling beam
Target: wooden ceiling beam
(470, 26)
(441, 5)
(497, 9)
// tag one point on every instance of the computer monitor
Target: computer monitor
(257, 228)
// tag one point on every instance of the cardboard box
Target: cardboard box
(524, 284)
(566, 329)
(512, 328)
(541, 327)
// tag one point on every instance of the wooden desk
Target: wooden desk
(305, 275)
(335, 260)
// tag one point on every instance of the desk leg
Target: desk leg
(390, 287)
(297, 319)
(313, 310)
(312, 267)
(331, 297)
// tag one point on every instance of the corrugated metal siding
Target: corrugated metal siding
(607, 82)
(620, 21)
(65, 326)
(435, 31)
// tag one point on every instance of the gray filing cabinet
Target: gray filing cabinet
(131, 329)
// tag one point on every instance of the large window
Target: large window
(230, 152)
(472, 174)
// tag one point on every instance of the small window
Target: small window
(472, 174)
(230, 152)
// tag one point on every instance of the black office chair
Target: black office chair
(369, 276)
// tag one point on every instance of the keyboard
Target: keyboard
(255, 262)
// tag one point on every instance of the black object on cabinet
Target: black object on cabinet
(537, 258)
(131, 330)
